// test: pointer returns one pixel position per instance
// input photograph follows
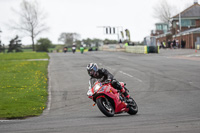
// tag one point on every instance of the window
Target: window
(159, 27)
(165, 28)
(162, 27)
(188, 22)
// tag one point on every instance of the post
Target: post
(179, 22)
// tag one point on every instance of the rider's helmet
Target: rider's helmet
(92, 69)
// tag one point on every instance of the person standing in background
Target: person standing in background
(174, 44)
(164, 44)
(177, 43)
(169, 43)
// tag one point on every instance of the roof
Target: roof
(191, 12)
(163, 35)
(193, 30)
(162, 23)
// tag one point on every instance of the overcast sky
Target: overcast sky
(84, 17)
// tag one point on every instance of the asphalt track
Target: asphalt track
(166, 87)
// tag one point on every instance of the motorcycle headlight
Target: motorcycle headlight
(96, 88)
(89, 93)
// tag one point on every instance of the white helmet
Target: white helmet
(92, 69)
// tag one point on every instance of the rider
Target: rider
(105, 75)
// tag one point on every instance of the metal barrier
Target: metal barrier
(131, 49)
(137, 49)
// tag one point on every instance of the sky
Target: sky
(86, 17)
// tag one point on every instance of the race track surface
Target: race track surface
(166, 87)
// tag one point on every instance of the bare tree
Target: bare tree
(31, 20)
(69, 38)
(164, 11)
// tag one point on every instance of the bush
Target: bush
(43, 44)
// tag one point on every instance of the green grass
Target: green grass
(27, 50)
(23, 56)
(30, 50)
(23, 85)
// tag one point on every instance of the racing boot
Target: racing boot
(128, 97)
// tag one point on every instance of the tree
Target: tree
(107, 41)
(163, 11)
(43, 44)
(69, 38)
(31, 20)
(97, 42)
(89, 41)
(15, 45)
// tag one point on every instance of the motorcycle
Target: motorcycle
(82, 50)
(74, 49)
(109, 100)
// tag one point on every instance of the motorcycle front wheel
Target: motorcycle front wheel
(133, 108)
(105, 106)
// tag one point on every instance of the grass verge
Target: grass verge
(23, 85)
(23, 56)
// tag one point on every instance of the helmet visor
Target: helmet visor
(95, 68)
(91, 72)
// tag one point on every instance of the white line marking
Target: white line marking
(193, 55)
(10, 120)
(122, 58)
(130, 76)
(126, 74)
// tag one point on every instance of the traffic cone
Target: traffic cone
(195, 51)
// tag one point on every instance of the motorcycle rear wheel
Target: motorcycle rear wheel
(133, 108)
(105, 107)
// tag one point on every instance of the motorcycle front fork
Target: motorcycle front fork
(122, 97)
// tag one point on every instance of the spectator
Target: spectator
(184, 43)
(174, 44)
(177, 43)
(164, 44)
(169, 43)
(161, 44)
(126, 44)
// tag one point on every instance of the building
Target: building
(185, 27)
(161, 28)
(162, 32)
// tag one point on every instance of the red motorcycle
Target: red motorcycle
(109, 100)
